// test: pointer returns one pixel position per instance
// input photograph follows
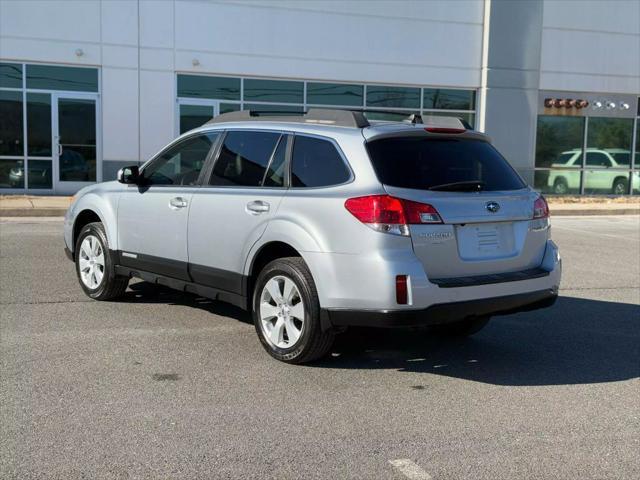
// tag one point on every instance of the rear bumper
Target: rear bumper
(444, 312)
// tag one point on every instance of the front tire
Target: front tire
(95, 265)
(286, 312)
(463, 328)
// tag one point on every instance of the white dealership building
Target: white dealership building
(87, 87)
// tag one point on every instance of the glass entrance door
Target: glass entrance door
(75, 133)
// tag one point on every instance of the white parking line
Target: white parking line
(410, 469)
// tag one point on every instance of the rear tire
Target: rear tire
(286, 312)
(95, 266)
(463, 328)
(560, 186)
(620, 186)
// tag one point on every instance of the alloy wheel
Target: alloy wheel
(91, 262)
(281, 312)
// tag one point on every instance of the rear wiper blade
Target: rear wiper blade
(467, 186)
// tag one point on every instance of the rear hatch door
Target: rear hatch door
(485, 207)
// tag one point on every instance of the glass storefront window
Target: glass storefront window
(610, 181)
(273, 91)
(390, 116)
(11, 173)
(198, 86)
(470, 118)
(559, 141)
(39, 124)
(11, 126)
(193, 116)
(10, 75)
(635, 182)
(610, 137)
(560, 182)
(50, 77)
(273, 109)
(40, 176)
(229, 107)
(448, 99)
(388, 96)
(335, 94)
(637, 155)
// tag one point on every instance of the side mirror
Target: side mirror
(129, 175)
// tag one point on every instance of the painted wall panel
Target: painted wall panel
(298, 36)
(60, 20)
(120, 114)
(326, 70)
(617, 16)
(38, 50)
(469, 11)
(119, 22)
(157, 107)
(156, 23)
(119, 56)
(156, 58)
(591, 46)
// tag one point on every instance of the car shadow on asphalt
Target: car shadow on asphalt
(145, 292)
(576, 341)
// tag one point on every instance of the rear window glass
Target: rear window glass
(316, 163)
(421, 163)
(243, 158)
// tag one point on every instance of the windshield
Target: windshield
(425, 163)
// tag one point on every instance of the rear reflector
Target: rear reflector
(540, 208)
(388, 214)
(444, 130)
(402, 292)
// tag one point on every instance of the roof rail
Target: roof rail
(319, 116)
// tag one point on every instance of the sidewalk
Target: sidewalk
(35, 206)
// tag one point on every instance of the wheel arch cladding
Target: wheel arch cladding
(266, 253)
(94, 208)
(84, 218)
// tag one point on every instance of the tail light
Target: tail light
(402, 291)
(540, 208)
(388, 214)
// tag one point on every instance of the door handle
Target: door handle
(257, 207)
(177, 202)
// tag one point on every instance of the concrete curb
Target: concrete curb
(32, 212)
(561, 212)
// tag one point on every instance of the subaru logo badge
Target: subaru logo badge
(493, 207)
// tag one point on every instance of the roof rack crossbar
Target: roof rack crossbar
(319, 116)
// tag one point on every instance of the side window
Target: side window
(316, 163)
(243, 158)
(180, 164)
(274, 176)
(597, 159)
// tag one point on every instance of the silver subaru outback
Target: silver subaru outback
(321, 221)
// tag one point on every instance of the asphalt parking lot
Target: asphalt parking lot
(166, 385)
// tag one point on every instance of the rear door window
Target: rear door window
(425, 163)
(243, 158)
(317, 163)
(598, 159)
